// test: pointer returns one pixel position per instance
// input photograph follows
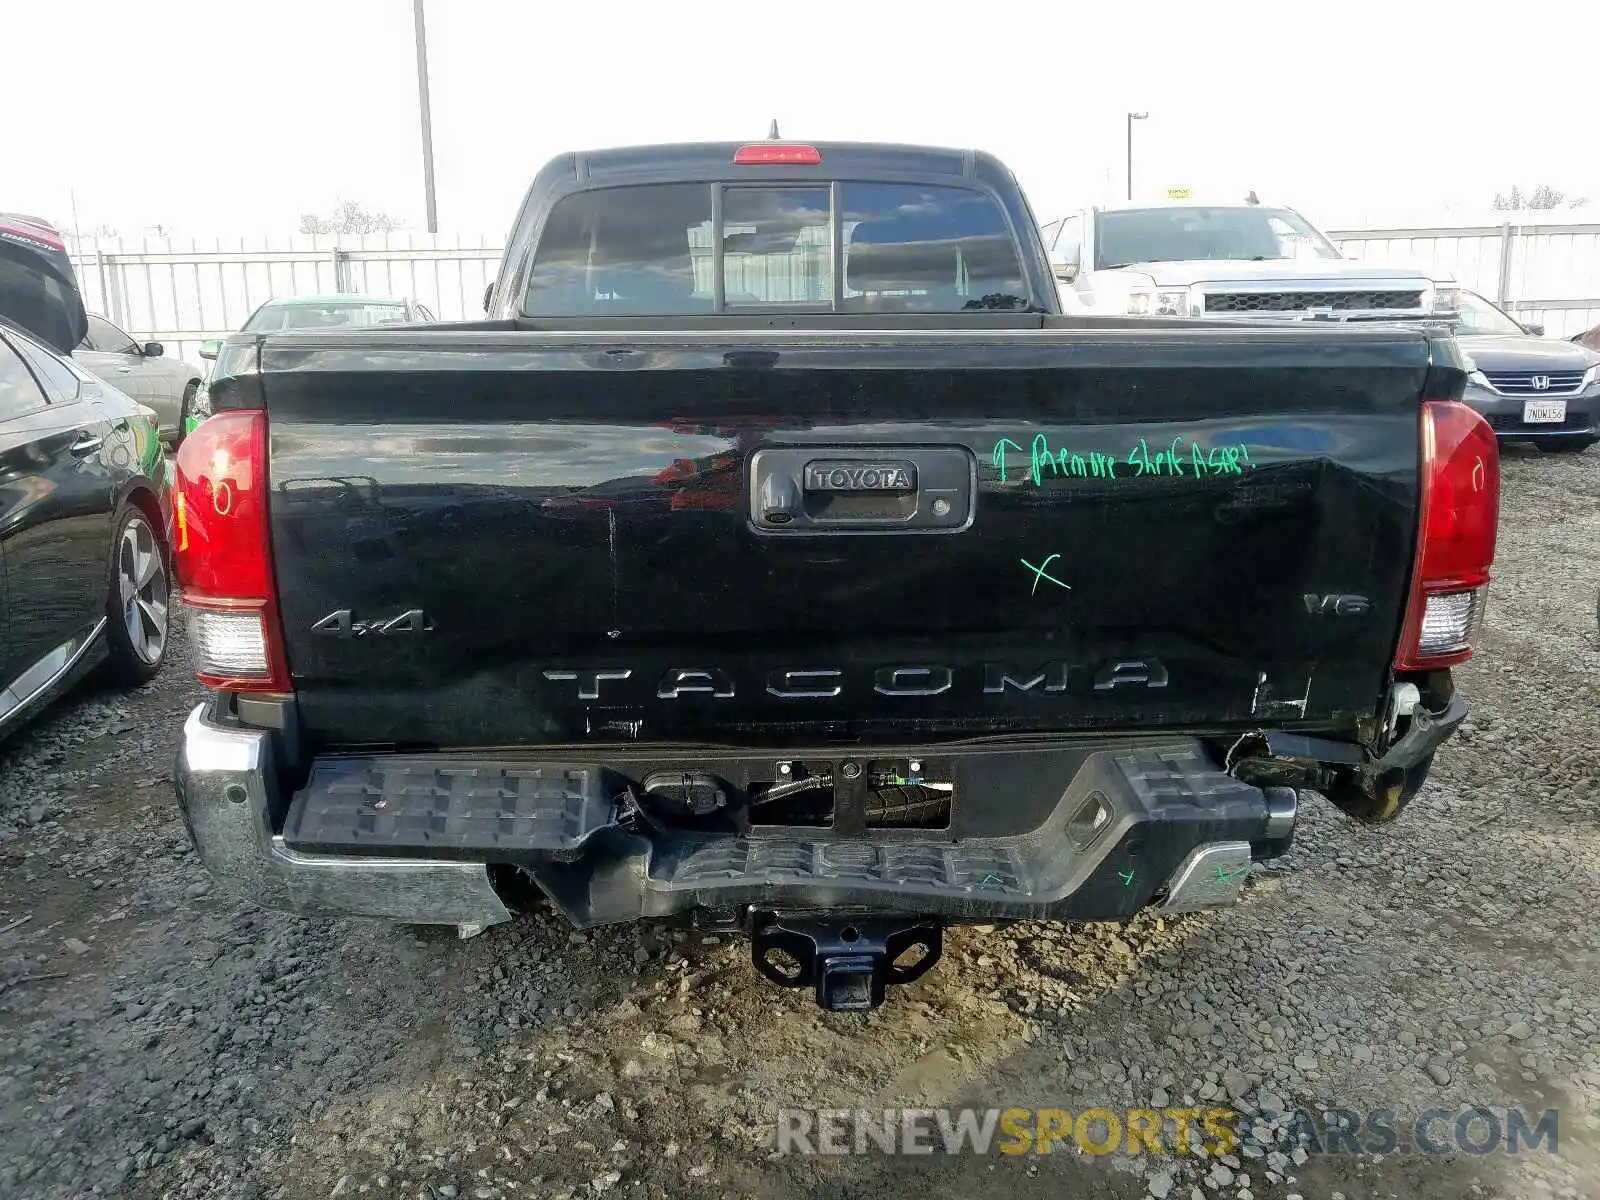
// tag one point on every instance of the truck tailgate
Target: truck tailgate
(501, 538)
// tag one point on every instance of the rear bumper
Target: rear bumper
(1120, 826)
(226, 792)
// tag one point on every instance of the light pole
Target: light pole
(1132, 117)
(427, 117)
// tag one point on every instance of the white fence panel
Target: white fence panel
(448, 280)
(182, 292)
(1471, 255)
(1544, 273)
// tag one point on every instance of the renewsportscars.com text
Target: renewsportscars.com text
(1161, 1131)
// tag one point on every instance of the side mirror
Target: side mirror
(1062, 267)
(1532, 329)
(488, 294)
(210, 348)
(153, 350)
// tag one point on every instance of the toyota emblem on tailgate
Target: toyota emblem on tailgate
(1540, 383)
(847, 476)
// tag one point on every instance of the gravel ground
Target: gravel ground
(155, 1041)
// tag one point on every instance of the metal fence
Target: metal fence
(181, 293)
(1548, 274)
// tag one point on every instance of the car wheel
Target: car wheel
(136, 610)
(1568, 445)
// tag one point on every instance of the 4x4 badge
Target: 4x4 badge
(342, 624)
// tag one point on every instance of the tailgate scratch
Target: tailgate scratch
(611, 540)
(1265, 701)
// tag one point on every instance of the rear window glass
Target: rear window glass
(927, 249)
(35, 299)
(777, 245)
(653, 250)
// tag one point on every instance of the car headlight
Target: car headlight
(1447, 299)
(1478, 379)
(1591, 376)
(1159, 303)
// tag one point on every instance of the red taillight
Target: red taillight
(223, 554)
(1460, 506)
(776, 154)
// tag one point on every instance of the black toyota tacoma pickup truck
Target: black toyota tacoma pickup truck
(777, 554)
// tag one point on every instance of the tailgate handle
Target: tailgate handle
(878, 489)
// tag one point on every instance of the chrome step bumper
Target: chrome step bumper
(224, 782)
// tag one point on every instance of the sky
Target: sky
(224, 117)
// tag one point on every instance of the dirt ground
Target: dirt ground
(159, 1041)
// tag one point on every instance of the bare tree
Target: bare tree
(349, 216)
(1542, 198)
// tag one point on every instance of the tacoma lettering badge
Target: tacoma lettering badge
(916, 679)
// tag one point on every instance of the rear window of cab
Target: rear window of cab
(655, 250)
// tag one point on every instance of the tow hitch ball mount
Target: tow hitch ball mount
(846, 961)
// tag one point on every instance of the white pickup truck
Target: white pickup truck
(1182, 258)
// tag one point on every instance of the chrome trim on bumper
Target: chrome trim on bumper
(226, 790)
(1210, 877)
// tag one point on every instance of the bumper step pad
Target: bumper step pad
(389, 805)
(903, 866)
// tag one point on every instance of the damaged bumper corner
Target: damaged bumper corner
(1427, 732)
(226, 792)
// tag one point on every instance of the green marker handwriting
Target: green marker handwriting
(1180, 457)
(999, 456)
(1126, 877)
(1065, 463)
(1229, 874)
(1042, 571)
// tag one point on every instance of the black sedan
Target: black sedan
(84, 530)
(1529, 387)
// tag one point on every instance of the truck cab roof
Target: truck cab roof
(715, 160)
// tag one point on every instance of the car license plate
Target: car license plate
(1544, 412)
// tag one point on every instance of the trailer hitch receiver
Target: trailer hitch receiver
(846, 961)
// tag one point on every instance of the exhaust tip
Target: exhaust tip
(1283, 809)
